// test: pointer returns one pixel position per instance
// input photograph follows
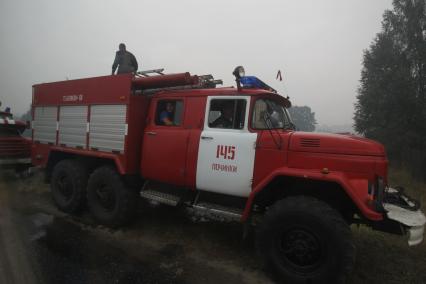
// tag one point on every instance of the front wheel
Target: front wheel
(109, 200)
(304, 240)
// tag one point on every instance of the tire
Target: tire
(68, 185)
(110, 201)
(304, 240)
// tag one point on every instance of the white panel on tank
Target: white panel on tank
(44, 124)
(107, 127)
(72, 126)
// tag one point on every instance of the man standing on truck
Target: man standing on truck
(125, 61)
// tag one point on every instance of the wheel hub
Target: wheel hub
(106, 197)
(64, 186)
(301, 249)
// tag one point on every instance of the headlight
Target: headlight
(379, 193)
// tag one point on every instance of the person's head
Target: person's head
(122, 47)
(170, 107)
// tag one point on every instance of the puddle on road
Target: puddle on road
(167, 245)
(66, 253)
(40, 221)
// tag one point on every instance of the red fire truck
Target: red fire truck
(14, 149)
(180, 140)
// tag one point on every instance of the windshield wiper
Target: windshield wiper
(290, 124)
(269, 126)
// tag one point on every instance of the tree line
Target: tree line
(391, 101)
(303, 118)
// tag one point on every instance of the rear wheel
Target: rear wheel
(68, 185)
(109, 200)
(304, 240)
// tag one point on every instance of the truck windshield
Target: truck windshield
(268, 114)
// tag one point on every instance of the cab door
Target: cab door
(164, 150)
(227, 149)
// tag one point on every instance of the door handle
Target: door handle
(152, 133)
(206, 138)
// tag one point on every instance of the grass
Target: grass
(413, 188)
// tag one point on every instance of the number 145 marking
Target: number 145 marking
(227, 152)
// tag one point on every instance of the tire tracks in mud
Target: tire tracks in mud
(14, 265)
(161, 248)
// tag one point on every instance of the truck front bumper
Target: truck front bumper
(412, 222)
(407, 214)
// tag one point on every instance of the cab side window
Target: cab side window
(169, 113)
(227, 113)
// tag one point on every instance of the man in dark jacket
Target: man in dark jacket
(225, 120)
(125, 61)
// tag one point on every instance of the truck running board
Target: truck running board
(214, 209)
(161, 197)
(211, 209)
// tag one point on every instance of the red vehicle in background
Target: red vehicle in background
(179, 140)
(14, 148)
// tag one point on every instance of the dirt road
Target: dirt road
(39, 244)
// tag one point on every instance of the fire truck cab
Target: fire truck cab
(14, 149)
(179, 140)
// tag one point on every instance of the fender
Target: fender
(337, 177)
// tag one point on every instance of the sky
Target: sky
(317, 44)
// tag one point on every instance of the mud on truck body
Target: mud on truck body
(102, 143)
(14, 149)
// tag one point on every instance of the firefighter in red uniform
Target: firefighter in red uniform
(125, 61)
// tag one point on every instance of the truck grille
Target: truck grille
(14, 147)
(309, 142)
